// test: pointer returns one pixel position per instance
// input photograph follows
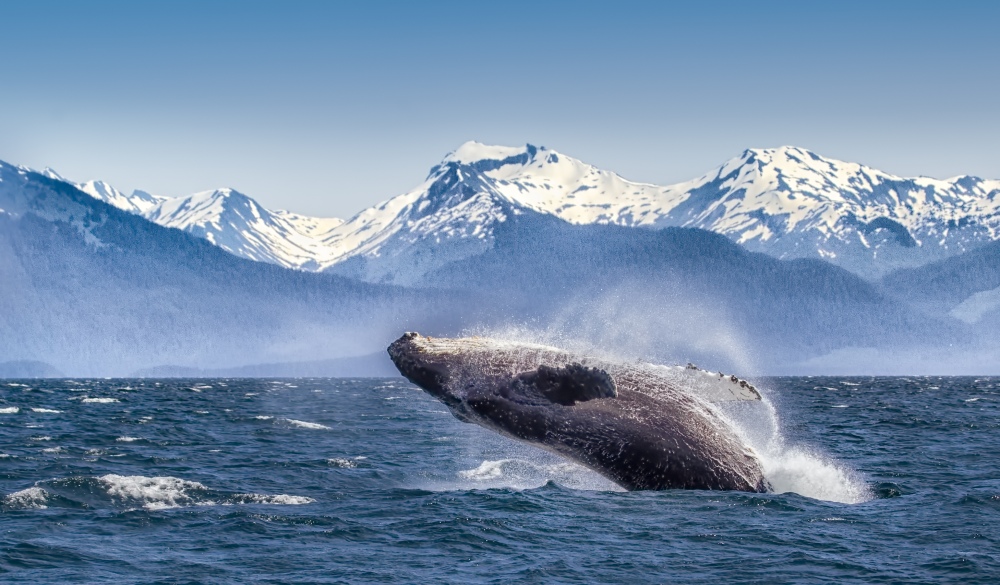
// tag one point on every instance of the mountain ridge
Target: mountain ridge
(787, 202)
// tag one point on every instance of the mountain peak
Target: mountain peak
(473, 152)
(52, 174)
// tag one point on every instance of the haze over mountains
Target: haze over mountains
(524, 242)
(786, 202)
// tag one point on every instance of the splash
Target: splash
(632, 321)
(792, 468)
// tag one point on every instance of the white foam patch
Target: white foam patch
(279, 499)
(159, 493)
(31, 498)
(521, 473)
(263, 417)
(341, 462)
(10, 410)
(99, 400)
(154, 493)
(46, 410)
(128, 439)
(307, 425)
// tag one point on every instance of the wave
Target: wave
(132, 492)
(33, 497)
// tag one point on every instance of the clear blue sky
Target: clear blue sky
(325, 108)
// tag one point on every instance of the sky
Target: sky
(325, 108)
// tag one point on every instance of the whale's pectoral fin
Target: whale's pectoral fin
(571, 384)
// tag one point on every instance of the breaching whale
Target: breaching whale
(642, 426)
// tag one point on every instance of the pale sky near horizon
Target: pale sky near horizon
(327, 108)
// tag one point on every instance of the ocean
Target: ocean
(881, 480)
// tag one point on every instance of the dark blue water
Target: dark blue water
(328, 480)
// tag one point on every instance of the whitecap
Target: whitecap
(10, 410)
(52, 450)
(99, 400)
(307, 425)
(128, 439)
(164, 492)
(341, 462)
(33, 497)
(263, 417)
(46, 410)
(278, 499)
(155, 493)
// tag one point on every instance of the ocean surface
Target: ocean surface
(884, 480)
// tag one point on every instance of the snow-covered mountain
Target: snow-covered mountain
(786, 202)
(95, 290)
(84, 284)
(229, 219)
(239, 225)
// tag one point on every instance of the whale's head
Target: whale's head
(422, 362)
(474, 376)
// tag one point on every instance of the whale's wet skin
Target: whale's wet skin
(642, 426)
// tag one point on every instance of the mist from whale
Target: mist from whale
(641, 426)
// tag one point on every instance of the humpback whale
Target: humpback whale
(643, 426)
